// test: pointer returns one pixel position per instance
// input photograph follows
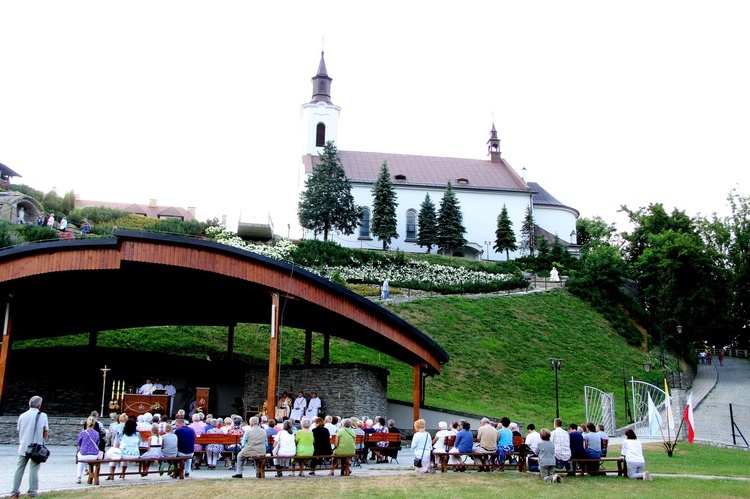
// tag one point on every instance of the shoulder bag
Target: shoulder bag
(418, 461)
(100, 455)
(37, 452)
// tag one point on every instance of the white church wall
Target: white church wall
(557, 220)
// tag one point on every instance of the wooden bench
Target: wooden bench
(178, 472)
(217, 438)
(621, 470)
(266, 462)
(493, 463)
(393, 444)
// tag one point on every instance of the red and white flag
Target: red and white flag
(689, 419)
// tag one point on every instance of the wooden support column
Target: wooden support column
(326, 348)
(4, 350)
(273, 354)
(93, 337)
(230, 342)
(417, 390)
(308, 347)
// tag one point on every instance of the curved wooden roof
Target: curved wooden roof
(137, 279)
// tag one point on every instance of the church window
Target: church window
(462, 181)
(400, 176)
(411, 224)
(320, 135)
(364, 225)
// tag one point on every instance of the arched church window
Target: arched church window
(411, 224)
(320, 135)
(364, 225)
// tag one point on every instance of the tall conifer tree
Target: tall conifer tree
(427, 218)
(327, 203)
(505, 238)
(450, 222)
(383, 223)
(528, 241)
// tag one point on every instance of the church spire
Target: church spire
(493, 146)
(322, 83)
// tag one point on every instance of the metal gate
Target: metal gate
(641, 391)
(600, 408)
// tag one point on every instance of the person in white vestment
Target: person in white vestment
(299, 407)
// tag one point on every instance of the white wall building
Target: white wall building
(482, 187)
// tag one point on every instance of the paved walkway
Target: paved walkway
(714, 389)
(59, 472)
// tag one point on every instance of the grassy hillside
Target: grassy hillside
(499, 348)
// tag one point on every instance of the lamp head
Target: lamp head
(647, 366)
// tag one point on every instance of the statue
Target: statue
(553, 275)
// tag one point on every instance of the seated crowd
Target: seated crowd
(295, 442)
(546, 451)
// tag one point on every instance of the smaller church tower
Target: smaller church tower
(321, 116)
(493, 146)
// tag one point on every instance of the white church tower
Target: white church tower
(320, 115)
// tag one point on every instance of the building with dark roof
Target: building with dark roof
(482, 186)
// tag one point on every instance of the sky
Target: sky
(197, 104)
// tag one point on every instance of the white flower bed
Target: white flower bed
(412, 271)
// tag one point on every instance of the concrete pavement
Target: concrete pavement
(59, 472)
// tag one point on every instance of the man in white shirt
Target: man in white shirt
(146, 388)
(30, 430)
(170, 392)
(561, 439)
(313, 406)
(532, 437)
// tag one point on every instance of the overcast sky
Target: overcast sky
(198, 103)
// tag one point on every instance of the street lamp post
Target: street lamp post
(487, 246)
(556, 365)
(661, 341)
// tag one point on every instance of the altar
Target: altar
(135, 404)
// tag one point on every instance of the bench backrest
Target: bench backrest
(449, 441)
(517, 441)
(382, 437)
(217, 438)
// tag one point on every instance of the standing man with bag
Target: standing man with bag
(33, 427)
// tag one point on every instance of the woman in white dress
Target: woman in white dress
(421, 444)
(285, 446)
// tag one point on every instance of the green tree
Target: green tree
(327, 203)
(528, 241)
(427, 219)
(593, 231)
(732, 238)
(679, 276)
(505, 238)
(383, 222)
(450, 233)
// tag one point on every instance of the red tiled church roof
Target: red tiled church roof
(433, 171)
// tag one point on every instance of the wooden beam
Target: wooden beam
(417, 390)
(4, 350)
(273, 354)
